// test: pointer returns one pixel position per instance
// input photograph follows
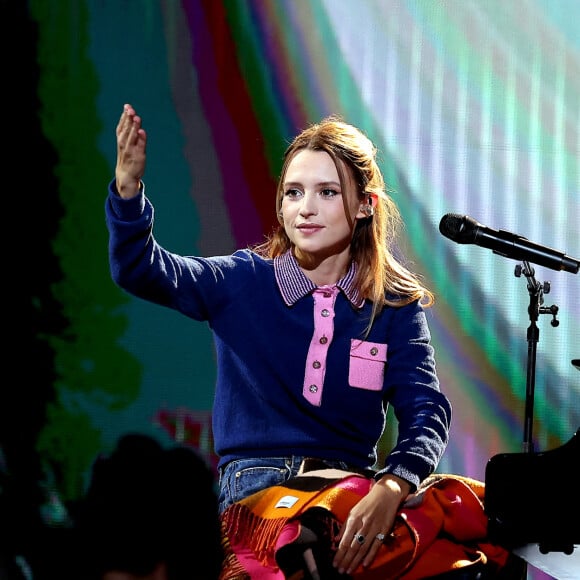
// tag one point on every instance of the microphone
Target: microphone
(465, 230)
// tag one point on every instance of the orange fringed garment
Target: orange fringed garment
(443, 527)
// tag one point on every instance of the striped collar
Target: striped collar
(293, 283)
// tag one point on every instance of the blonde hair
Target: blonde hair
(381, 277)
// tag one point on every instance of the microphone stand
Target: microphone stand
(535, 308)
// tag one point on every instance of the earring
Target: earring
(368, 210)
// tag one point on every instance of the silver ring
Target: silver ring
(359, 538)
(380, 537)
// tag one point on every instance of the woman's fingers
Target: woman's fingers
(354, 547)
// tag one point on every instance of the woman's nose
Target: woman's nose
(308, 206)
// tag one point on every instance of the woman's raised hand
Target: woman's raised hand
(131, 153)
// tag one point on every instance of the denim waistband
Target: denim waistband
(304, 464)
(315, 464)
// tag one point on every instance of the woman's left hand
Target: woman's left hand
(369, 522)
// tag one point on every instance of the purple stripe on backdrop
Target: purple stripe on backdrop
(210, 65)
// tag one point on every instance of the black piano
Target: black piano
(534, 498)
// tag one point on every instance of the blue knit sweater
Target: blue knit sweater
(260, 312)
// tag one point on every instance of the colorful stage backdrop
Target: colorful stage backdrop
(475, 107)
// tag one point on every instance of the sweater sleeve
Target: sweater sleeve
(142, 267)
(422, 411)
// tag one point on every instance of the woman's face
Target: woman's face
(312, 205)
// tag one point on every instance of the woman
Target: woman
(317, 331)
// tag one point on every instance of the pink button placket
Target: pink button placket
(324, 298)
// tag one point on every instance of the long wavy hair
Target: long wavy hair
(381, 277)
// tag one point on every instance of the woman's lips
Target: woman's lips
(309, 228)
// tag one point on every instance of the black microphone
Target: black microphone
(465, 230)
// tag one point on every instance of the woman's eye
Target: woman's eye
(292, 193)
(328, 192)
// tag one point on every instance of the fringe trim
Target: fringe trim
(231, 568)
(257, 533)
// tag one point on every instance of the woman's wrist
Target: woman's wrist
(129, 189)
(394, 485)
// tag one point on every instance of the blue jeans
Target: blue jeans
(242, 477)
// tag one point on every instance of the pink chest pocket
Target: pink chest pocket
(367, 364)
